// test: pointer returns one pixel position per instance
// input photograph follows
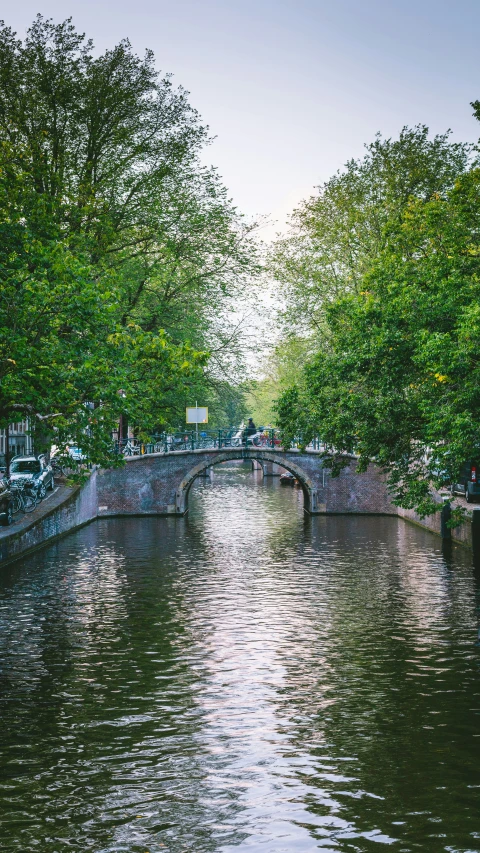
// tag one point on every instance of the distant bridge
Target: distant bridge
(159, 483)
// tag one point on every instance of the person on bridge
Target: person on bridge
(250, 429)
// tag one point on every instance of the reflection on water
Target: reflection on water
(243, 679)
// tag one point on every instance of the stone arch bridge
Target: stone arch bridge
(159, 483)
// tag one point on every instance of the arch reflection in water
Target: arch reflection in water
(243, 678)
(228, 461)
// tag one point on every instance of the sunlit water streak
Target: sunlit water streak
(243, 679)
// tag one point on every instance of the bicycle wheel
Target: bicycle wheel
(16, 503)
(29, 501)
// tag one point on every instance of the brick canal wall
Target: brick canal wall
(462, 534)
(60, 513)
(354, 493)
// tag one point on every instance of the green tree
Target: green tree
(282, 369)
(120, 252)
(395, 378)
(61, 346)
(335, 235)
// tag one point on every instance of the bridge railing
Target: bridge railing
(206, 440)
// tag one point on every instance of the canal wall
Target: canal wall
(461, 534)
(350, 492)
(62, 512)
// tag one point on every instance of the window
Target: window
(25, 466)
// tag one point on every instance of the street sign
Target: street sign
(197, 415)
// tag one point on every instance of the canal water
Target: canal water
(243, 679)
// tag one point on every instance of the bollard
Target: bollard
(476, 531)
(446, 514)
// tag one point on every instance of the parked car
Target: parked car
(6, 514)
(34, 468)
(76, 454)
(467, 483)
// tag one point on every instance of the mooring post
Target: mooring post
(446, 514)
(476, 531)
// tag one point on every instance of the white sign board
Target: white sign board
(197, 415)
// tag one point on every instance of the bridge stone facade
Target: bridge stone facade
(158, 484)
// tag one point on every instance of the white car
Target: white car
(76, 454)
(32, 469)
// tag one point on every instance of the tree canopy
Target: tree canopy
(394, 376)
(121, 254)
(335, 235)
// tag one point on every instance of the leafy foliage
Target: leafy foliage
(335, 235)
(396, 377)
(120, 252)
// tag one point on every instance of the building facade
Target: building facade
(19, 441)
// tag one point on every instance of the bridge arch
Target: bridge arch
(308, 487)
(158, 483)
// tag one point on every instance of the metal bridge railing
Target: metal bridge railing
(207, 440)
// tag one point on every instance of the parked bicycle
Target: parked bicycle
(131, 448)
(24, 497)
(60, 466)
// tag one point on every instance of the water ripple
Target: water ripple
(242, 679)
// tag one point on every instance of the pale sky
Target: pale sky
(294, 88)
